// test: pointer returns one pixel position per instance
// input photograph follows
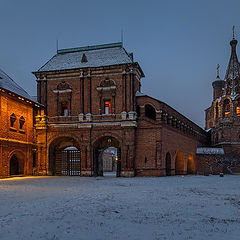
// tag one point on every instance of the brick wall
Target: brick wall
(13, 140)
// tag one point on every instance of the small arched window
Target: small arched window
(238, 107)
(150, 112)
(21, 122)
(13, 119)
(226, 108)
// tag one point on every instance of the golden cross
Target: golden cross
(218, 66)
(233, 28)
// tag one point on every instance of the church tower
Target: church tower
(223, 117)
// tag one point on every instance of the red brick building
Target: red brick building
(93, 100)
(17, 143)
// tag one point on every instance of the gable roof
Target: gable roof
(7, 83)
(96, 56)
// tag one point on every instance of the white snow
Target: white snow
(95, 58)
(209, 150)
(59, 208)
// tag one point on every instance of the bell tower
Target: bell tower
(233, 71)
(223, 116)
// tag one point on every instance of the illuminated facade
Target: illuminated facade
(93, 101)
(89, 100)
(223, 116)
(17, 143)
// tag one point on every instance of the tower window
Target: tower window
(12, 120)
(226, 108)
(216, 110)
(238, 107)
(64, 109)
(107, 107)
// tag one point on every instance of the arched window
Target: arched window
(238, 107)
(226, 108)
(21, 122)
(13, 119)
(150, 112)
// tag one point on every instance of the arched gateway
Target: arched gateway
(64, 157)
(16, 164)
(100, 145)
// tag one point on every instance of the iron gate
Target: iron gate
(68, 163)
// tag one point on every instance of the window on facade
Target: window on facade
(216, 110)
(12, 120)
(64, 109)
(21, 122)
(150, 112)
(138, 110)
(107, 107)
(226, 108)
(238, 107)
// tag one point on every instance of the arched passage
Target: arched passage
(16, 164)
(190, 165)
(100, 146)
(65, 157)
(150, 112)
(168, 164)
(179, 163)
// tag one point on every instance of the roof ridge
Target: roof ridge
(9, 84)
(9, 78)
(87, 48)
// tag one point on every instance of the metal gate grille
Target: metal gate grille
(68, 163)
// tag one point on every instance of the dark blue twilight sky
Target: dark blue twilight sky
(178, 43)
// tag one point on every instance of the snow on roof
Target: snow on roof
(208, 130)
(7, 83)
(139, 94)
(96, 56)
(208, 150)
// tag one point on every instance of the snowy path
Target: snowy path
(59, 208)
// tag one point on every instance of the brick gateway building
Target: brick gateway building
(93, 100)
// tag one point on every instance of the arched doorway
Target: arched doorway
(190, 165)
(65, 157)
(179, 163)
(16, 165)
(102, 166)
(168, 164)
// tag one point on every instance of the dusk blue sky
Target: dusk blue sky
(177, 43)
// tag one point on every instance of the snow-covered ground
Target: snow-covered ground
(51, 208)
